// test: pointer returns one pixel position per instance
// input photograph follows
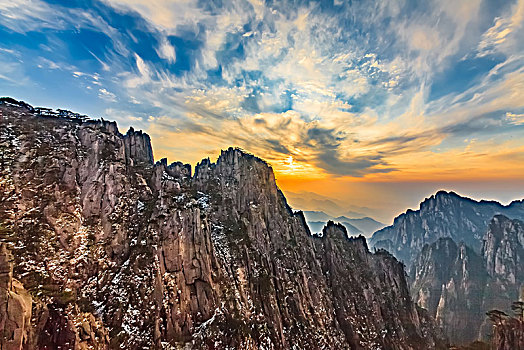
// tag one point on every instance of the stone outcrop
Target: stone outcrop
(121, 252)
(503, 256)
(138, 147)
(444, 214)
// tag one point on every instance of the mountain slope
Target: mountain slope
(157, 257)
(449, 281)
(366, 224)
(444, 214)
(317, 226)
(458, 286)
(316, 216)
(362, 226)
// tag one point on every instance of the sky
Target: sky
(361, 107)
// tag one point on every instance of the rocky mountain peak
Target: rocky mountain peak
(235, 163)
(138, 147)
(119, 252)
(103, 125)
(445, 214)
(337, 231)
(458, 286)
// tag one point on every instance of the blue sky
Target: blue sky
(335, 93)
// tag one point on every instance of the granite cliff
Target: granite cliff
(117, 251)
(458, 286)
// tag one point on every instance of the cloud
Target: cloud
(167, 51)
(45, 63)
(505, 33)
(319, 89)
(517, 119)
(28, 15)
(106, 95)
(293, 77)
(166, 14)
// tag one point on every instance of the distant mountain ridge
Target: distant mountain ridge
(445, 214)
(317, 226)
(355, 226)
(464, 257)
(313, 215)
(366, 224)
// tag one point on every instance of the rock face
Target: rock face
(508, 335)
(503, 258)
(15, 306)
(119, 252)
(503, 255)
(458, 286)
(449, 281)
(444, 214)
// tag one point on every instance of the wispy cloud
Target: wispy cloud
(505, 34)
(514, 118)
(107, 95)
(342, 89)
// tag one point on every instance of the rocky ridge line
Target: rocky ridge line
(157, 257)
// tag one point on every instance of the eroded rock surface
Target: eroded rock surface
(15, 306)
(458, 286)
(121, 252)
(449, 281)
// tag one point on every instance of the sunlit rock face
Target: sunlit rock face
(120, 252)
(458, 286)
(444, 214)
(15, 306)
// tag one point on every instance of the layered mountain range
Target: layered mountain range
(105, 248)
(465, 259)
(365, 226)
(445, 214)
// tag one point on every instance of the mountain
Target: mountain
(312, 216)
(458, 286)
(115, 250)
(317, 227)
(448, 281)
(503, 255)
(445, 214)
(357, 214)
(312, 201)
(362, 226)
(366, 224)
